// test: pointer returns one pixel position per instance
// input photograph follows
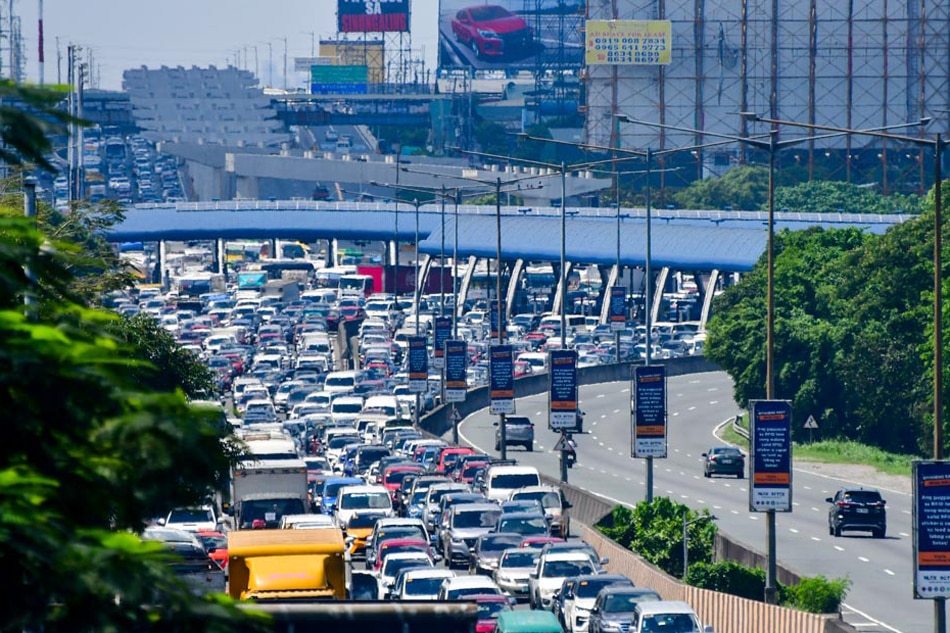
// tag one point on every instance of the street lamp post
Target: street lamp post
(686, 524)
(772, 146)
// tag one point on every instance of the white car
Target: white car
(397, 561)
(420, 584)
(553, 568)
(352, 499)
(461, 586)
(191, 519)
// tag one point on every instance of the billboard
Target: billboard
(511, 35)
(649, 411)
(771, 446)
(502, 380)
(562, 412)
(372, 16)
(418, 363)
(931, 482)
(456, 365)
(335, 80)
(628, 42)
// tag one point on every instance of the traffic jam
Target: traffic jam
(341, 495)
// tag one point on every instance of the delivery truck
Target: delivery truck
(264, 490)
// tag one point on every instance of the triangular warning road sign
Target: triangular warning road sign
(811, 423)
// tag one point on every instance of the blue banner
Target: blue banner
(493, 318)
(501, 380)
(456, 366)
(418, 363)
(931, 524)
(441, 333)
(770, 487)
(649, 411)
(562, 413)
(618, 308)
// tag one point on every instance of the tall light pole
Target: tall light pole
(772, 146)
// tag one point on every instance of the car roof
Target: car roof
(664, 606)
(468, 581)
(572, 555)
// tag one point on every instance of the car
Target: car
(555, 506)
(724, 460)
(191, 519)
(492, 31)
(519, 431)
(461, 587)
(466, 524)
(490, 606)
(514, 567)
(398, 561)
(419, 583)
(524, 523)
(614, 608)
(393, 546)
(665, 615)
(580, 596)
(552, 569)
(487, 550)
(857, 509)
(392, 528)
(216, 544)
(190, 560)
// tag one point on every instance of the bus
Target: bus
(356, 285)
(330, 277)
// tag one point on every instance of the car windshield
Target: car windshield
(393, 566)
(331, 489)
(423, 586)
(217, 541)
(365, 500)
(512, 481)
(862, 496)
(340, 441)
(347, 407)
(476, 519)
(524, 526)
(590, 588)
(402, 531)
(565, 568)
(726, 451)
(670, 623)
(396, 476)
(190, 516)
(363, 520)
(520, 559)
(364, 587)
(548, 498)
(625, 602)
(481, 14)
(490, 610)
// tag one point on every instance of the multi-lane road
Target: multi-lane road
(880, 598)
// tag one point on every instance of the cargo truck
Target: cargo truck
(287, 565)
(262, 491)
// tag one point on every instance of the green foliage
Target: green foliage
(169, 366)
(816, 594)
(742, 188)
(655, 532)
(827, 196)
(849, 452)
(90, 454)
(492, 138)
(728, 577)
(29, 118)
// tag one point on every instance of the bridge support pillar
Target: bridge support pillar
(657, 297)
(220, 257)
(162, 270)
(709, 291)
(563, 275)
(247, 188)
(332, 250)
(466, 282)
(613, 277)
(514, 282)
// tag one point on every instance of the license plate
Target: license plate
(726, 461)
(862, 510)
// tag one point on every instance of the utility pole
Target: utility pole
(285, 63)
(40, 46)
(270, 64)
(59, 63)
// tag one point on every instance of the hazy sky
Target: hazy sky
(132, 33)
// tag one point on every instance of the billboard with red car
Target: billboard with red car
(510, 35)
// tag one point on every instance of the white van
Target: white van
(501, 481)
(339, 381)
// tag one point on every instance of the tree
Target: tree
(826, 196)
(742, 189)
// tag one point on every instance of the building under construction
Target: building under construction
(842, 63)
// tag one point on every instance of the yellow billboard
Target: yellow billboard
(628, 42)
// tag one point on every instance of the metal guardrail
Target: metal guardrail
(737, 427)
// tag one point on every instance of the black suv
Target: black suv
(857, 509)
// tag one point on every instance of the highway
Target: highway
(880, 598)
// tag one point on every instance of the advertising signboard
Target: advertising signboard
(510, 35)
(501, 380)
(456, 364)
(372, 16)
(441, 333)
(649, 411)
(562, 412)
(931, 480)
(771, 446)
(493, 317)
(618, 308)
(628, 42)
(418, 363)
(326, 80)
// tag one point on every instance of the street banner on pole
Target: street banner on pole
(502, 380)
(649, 412)
(931, 525)
(493, 318)
(770, 441)
(418, 364)
(456, 364)
(618, 308)
(441, 333)
(562, 412)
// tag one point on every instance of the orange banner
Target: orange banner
(654, 430)
(939, 559)
(772, 478)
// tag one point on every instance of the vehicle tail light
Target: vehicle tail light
(844, 504)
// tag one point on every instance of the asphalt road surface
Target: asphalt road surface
(880, 598)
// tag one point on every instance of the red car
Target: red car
(492, 31)
(489, 606)
(539, 541)
(400, 545)
(393, 475)
(216, 544)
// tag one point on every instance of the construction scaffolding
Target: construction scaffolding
(846, 64)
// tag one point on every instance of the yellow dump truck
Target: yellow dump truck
(286, 565)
